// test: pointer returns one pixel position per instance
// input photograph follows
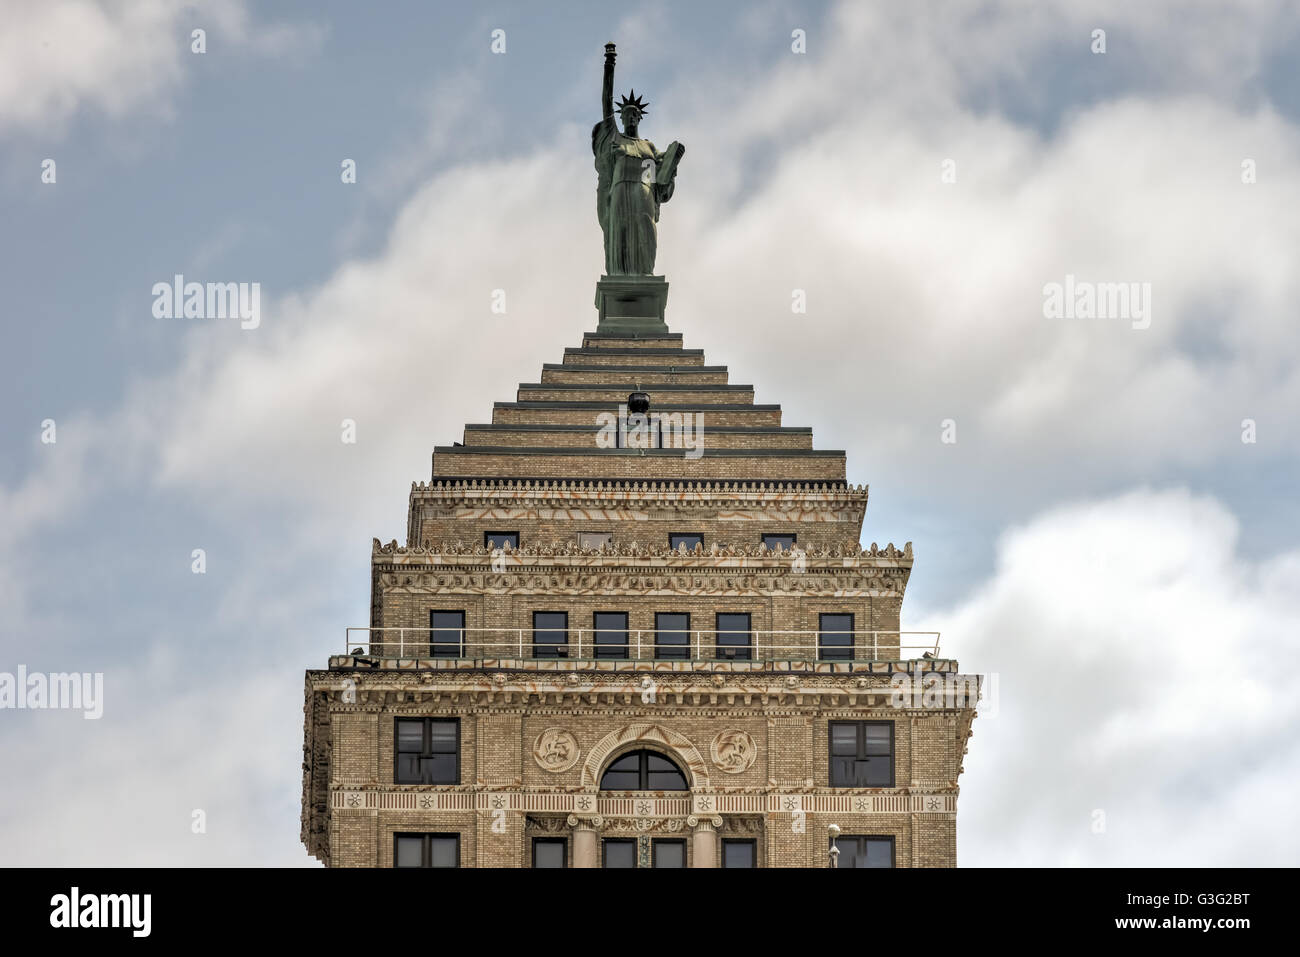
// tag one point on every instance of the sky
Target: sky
(1113, 537)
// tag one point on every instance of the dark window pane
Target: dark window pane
(862, 754)
(493, 540)
(879, 739)
(857, 851)
(427, 751)
(672, 635)
(410, 735)
(836, 639)
(444, 852)
(550, 634)
(662, 774)
(409, 851)
(446, 634)
(879, 853)
(844, 738)
(408, 769)
(737, 853)
(689, 540)
(442, 736)
(665, 781)
(668, 853)
(440, 769)
(879, 773)
(842, 772)
(733, 636)
(620, 853)
(643, 771)
(610, 635)
(779, 541)
(628, 762)
(621, 781)
(548, 852)
(848, 848)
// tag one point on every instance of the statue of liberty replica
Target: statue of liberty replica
(634, 180)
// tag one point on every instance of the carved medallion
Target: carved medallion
(733, 751)
(555, 750)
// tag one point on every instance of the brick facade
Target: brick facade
(534, 735)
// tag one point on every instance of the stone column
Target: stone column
(704, 840)
(586, 842)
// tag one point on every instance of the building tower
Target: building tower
(632, 625)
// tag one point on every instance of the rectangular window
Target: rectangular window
(426, 850)
(495, 540)
(550, 852)
(859, 851)
(835, 637)
(550, 634)
(773, 542)
(689, 539)
(668, 853)
(737, 852)
(672, 635)
(594, 539)
(733, 636)
(610, 634)
(446, 634)
(619, 852)
(428, 751)
(862, 754)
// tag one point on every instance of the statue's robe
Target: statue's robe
(627, 199)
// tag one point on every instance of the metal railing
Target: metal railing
(595, 644)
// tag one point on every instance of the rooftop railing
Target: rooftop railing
(598, 644)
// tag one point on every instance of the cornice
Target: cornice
(570, 554)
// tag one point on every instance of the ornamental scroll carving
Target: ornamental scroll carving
(733, 751)
(555, 750)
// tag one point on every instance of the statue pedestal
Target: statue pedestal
(631, 304)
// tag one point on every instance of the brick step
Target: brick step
(667, 340)
(638, 376)
(638, 357)
(587, 413)
(587, 436)
(669, 393)
(730, 465)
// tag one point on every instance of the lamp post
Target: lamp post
(834, 851)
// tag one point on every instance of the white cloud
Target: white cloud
(1138, 663)
(59, 56)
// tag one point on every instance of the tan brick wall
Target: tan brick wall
(352, 806)
(630, 357)
(497, 743)
(590, 436)
(681, 376)
(749, 418)
(629, 465)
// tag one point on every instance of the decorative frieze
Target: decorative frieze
(592, 806)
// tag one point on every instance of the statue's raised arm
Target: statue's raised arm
(607, 87)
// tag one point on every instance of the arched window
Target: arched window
(643, 771)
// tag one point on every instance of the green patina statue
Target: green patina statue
(634, 179)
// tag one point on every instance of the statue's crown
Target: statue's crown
(634, 101)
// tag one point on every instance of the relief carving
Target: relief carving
(733, 751)
(555, 750)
